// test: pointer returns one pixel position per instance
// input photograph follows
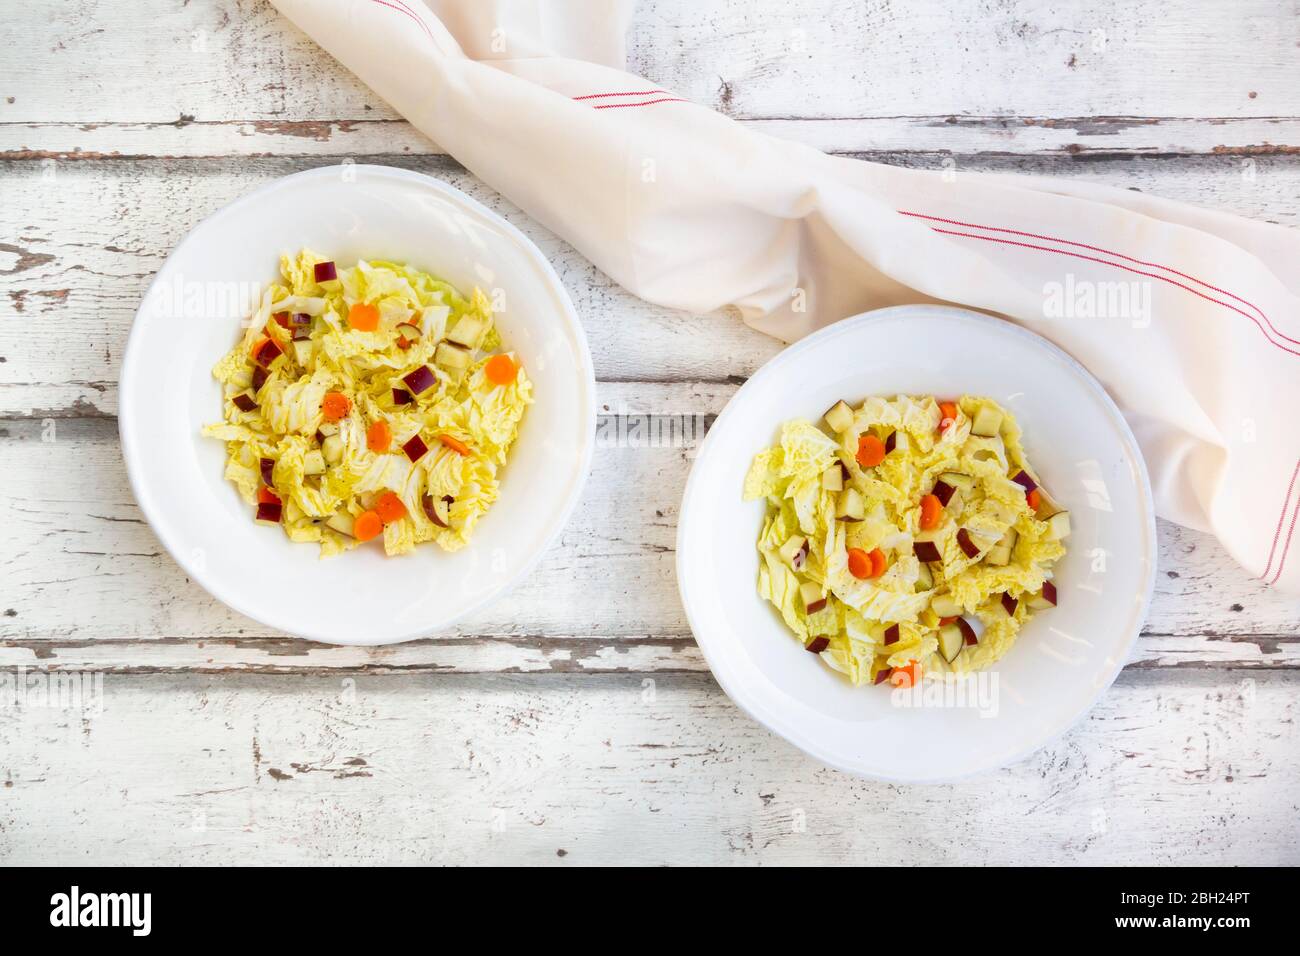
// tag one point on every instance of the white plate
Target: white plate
(190, 319)
(1064, 659)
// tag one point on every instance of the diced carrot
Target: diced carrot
(500, 370)
(907, 675)
(878, 562)
(379, 437)
(945, 621)
(335, 406)
(265, 496)
(931, 512)
(859, 563)
(368, 525)
(363, 317)
(871, 450)
(257, 346)
(949, 412)
(1033, 498)
(455, 444)
(390, 508)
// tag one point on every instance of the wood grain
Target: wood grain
(1170, 768)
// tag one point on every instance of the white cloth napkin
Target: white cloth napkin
(686, 208)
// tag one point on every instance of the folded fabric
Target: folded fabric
(1189, 317)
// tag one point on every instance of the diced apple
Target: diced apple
(817, 644)
(951, 642)
(340, 522)
(967, 632)
(945, 605)
(1045, 598)
(998, 556)
(833, 478)
(313, 463)
(958, 480)
(850, 506)
(813, 599)
(839, 417)
(451, 356)
(1023, 479)
(926, 549)
(967, 545)
(795, 551)
(898, 440)
(891, 634)
(467, 331)
(924, 579)
(1009, 604)
(302, 350)
(1058, 525)
(332, 449)
(943, 491)
(988, 421)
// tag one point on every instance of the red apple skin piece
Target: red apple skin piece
(402, 397)
(891, 442)
(259, 378)
(268, 353)
(818, 644)
(926, 551)
(266, 466)
(884, 675)
(1009, 603)
(1024, 481)
(324, 272)
(421, 380)
(1049, 592)
(817, 605)
(891, 635)
(944, 492)
(244, 403)
(269, 511)
(968, 547)
(967, 632)
(415, 448)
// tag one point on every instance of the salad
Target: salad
(908, 536)
(368, 402)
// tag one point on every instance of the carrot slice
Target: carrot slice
(455, 444)
(500, 370)
(265, 496)
(878, 562)
(1033, 498)
(390, 508)
(859, 563)
(949, 412)
(368, 525)
(379, 436)
(907, 675)
(335, 406)
(871, 451)
(931, 512)
(363, 317)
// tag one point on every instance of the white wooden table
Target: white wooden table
(575, 720)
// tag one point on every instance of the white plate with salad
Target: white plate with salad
(918, 544)
(356, 405)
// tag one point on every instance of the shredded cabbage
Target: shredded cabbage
(805, 479)
(325, 473)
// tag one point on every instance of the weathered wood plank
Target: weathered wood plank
(1168, 768)
(240, 75)
(946, 134)
(81, 565)
(85, 240)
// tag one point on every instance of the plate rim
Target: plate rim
(844, 326)
(128, 440)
